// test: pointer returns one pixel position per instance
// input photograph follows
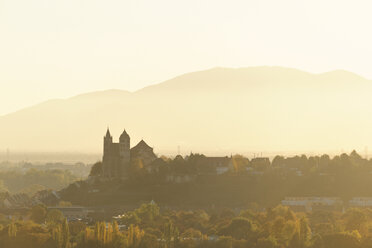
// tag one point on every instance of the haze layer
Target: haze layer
(222, 109)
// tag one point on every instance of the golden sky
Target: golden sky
(53, 48)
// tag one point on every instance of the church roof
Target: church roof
(142, 144)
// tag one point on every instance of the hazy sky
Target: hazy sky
(51, 48)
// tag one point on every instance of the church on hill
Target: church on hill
(118, 157)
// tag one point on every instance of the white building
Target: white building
(361, 202)
(313, 203)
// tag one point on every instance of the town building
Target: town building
(72, 212)
(214, 165)
(309, 204)
(19, 200)
(361, 202)
(118, 157)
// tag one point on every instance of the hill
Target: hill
(220, 110)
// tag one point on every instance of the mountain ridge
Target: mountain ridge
(127, 93)
(254, 108)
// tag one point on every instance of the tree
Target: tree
(96, 170)
(12, 230)
(135, 235)
(239, 228)
(278, 226)
(278, 161)
(102, 230)
(64, 204)
(356, 219)
(65, 232)
(171, 235)
(239, 162)
(305, 232)
(225, 242)
(227, 213)
(341, 240)
(57, 238)
(269, 242)
(148, 212)
(317, 241)
(290, 215)
(116, 235)
(76, 227)
(249, 214)
(191, 234)
(109, 234)
(150, 240)
(54, 216)
(97, 231)
(38, 214)
(288, 231)
(295, 241)
(130, 218)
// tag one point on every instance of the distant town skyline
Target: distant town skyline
(57, 49)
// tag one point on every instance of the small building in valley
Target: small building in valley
(309, 204)
(361, 202)
(72, 212)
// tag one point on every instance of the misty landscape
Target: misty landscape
(185, 124)
(152, 196)
(247, 110)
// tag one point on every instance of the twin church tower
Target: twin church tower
(119, 157)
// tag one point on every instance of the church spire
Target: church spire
(108, 133)
(124, 137)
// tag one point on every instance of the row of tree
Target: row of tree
(192, 164)
(147, 226)
(33, 180)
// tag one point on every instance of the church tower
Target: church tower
(107, 141)
(107, 144)
(117, 157)
(124, 153)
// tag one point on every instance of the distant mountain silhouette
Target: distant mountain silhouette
(221, 109)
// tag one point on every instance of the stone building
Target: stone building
(118, 157)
